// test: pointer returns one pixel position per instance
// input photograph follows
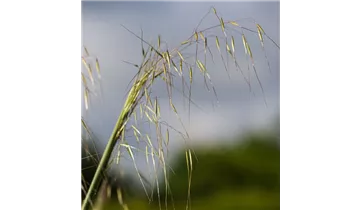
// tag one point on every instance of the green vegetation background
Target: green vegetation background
(244, 175)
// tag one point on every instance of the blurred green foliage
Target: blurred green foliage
(243, 175)
(253, 165)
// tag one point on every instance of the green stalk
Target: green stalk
(103, 163)
(118, 130)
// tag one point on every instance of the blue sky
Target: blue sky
(238, 109)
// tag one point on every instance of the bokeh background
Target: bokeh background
(236, 140)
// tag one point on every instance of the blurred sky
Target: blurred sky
(238, 109)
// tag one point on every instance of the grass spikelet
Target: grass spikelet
(159, 42)
(88, 68)
(214, 10)
(196, 36)
(234, 23)
(83, 79)
(201, 66)
(217, 43)
(244, 42)
(202, 36)
(86, 51)
(189, 166)
(180, 55)
(233, 44)
(260, 36)
(260, 33)
(86, 98)
(136, 130)
(222, 24)
(185, 42)
(98, 68)
(228, 48)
